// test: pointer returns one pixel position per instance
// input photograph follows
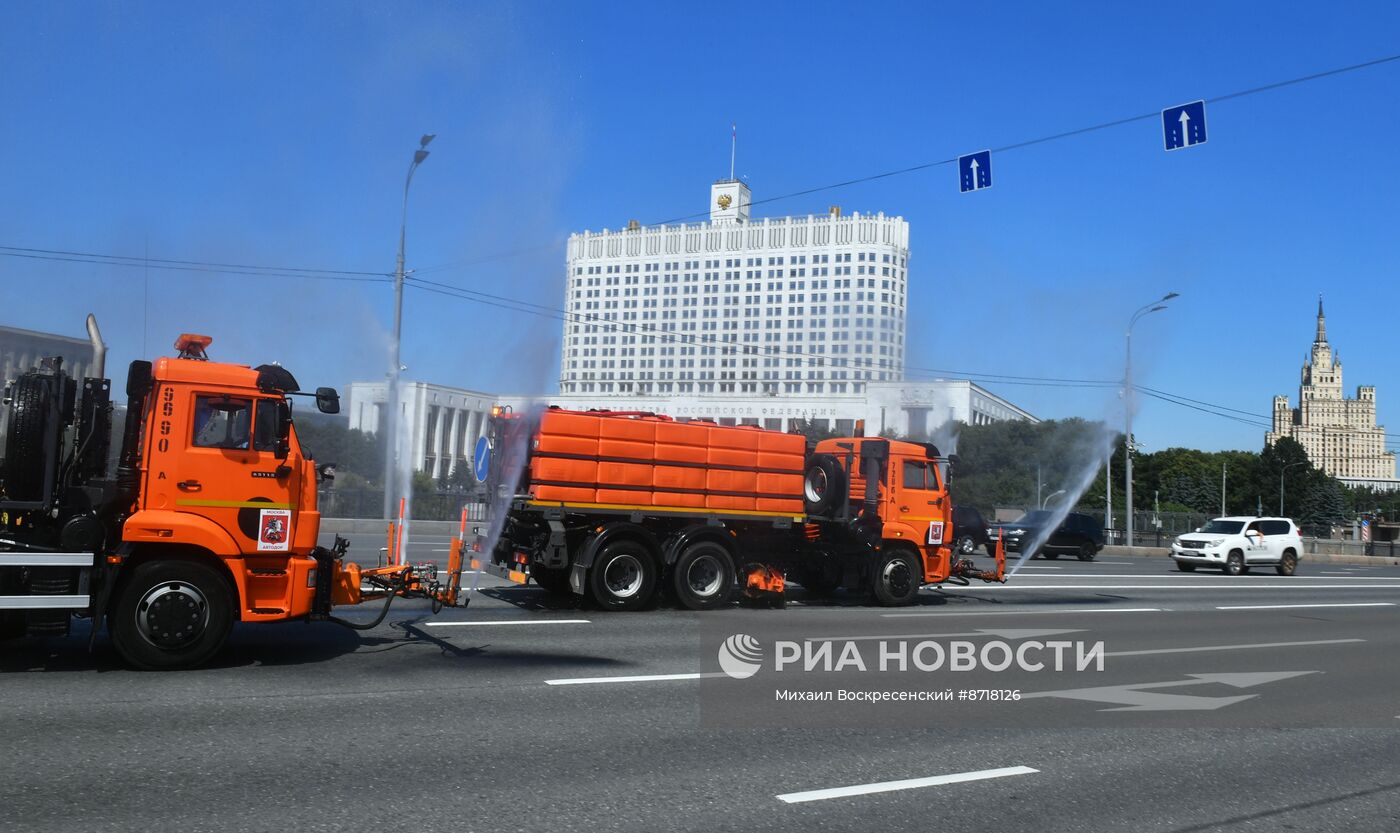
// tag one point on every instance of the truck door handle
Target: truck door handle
(904, 509)
(189, 485)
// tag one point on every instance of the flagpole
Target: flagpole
(733, 144)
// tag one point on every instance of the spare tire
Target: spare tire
(824, 485)
(31, 398)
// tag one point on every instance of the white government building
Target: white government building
(772, 322)
(1339, 434)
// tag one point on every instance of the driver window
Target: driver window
(915, 475)
(222, 422)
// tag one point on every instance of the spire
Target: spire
(1321, 323)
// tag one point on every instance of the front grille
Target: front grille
(1193, 545)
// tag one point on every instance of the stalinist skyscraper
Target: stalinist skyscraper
(1339, 434)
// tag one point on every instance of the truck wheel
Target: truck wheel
(1234, 563)
(623, 576)
(897, 578)
(703, 576)
(24, 462)
(171, 614)
(556, 582)
(1288, 564)
(824, 485)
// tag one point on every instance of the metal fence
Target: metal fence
(369, 503)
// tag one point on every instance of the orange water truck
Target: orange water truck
(210, 517)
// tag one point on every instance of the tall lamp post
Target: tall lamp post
(391, 424)
(1281, 473)
(1145, 309)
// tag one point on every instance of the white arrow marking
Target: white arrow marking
(1140, 697)
(1185, 120)
(975, 184)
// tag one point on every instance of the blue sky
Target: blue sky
(279, 134)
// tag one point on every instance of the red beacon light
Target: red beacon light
(192, 345)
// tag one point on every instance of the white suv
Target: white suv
(1236, 544)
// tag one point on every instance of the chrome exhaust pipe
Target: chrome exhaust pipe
(99, 349)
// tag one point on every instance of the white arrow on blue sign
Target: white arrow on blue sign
(481, 460)
(1184, 126)
(975, 171)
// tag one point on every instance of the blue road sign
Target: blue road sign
(481, 459)
(975, 171)
(1184, 126)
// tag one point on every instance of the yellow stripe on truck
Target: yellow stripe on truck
(235, 504)
(690, 510)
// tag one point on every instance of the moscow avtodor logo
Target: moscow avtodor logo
(740, 656)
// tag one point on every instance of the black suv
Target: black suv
(969, 530)
(1078, 534)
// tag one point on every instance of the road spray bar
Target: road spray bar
(395, 577)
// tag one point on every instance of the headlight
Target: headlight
(1177, 542)
(1017, 532)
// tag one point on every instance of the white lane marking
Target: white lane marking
(1290, 607)
(645, 678)
(907, 784)
(1034, 610)
(508, 622)
(1155, 651)
(1241, 586)
(1040, 567)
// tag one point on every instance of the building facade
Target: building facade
(443, 423)
(736, 306)
(1340, 434)
(908, 409)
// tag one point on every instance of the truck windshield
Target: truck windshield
(1223, 527)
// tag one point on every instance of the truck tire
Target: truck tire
(623, 576)
(897, 577)
(24, 464)
(556, 582)
(703, 576)
(823, 485)
(171, 614)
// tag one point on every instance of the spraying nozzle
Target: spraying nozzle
(965, 569)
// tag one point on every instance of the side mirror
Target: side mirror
(327, 401)
(325, 472)
(284, 429)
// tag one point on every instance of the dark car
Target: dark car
(969, 529)
(1078, 535)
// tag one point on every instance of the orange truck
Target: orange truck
(209, 519)
(622, 506)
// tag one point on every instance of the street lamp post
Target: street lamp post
(1281, 473)
(1051, 497)
(1145, 309)
(391, 423)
